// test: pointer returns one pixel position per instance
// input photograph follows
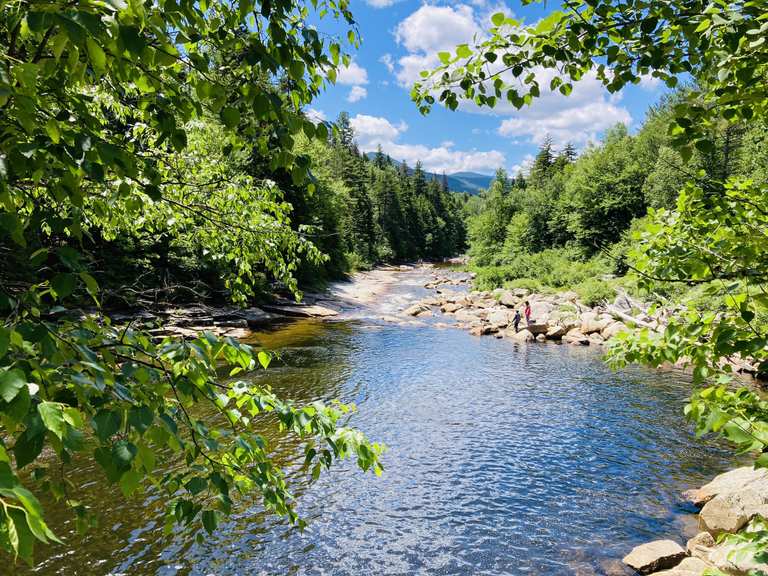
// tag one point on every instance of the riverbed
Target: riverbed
(503, 458)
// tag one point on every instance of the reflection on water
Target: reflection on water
(503, 459)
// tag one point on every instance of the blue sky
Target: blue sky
(401, 38)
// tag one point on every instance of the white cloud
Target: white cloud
(387, 60)
(524, 166)
(429, 30)
(357, 93)
(578, 118)
(352, 75)
(315, 116)
(650, 83)
(374, 131)
(380, 3)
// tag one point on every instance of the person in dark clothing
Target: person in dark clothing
(516, 320)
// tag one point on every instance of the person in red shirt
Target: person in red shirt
(527, 313)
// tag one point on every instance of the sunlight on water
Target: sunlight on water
(503, 459)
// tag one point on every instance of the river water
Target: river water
(503, 459)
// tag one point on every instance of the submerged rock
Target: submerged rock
(655, 556)
(416, 309)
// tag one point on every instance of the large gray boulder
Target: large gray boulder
(730, 512)
(537, 328)
(450, 307)
(573, 336)
(590, 323)
(466, 315)
(508, 299)
(416, 309)
(733, 481)
(498, 318)
(522, 336)
(655, 556)
(700, 545)
(556, 332)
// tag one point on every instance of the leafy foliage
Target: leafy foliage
(135, 121)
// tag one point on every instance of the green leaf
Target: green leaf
(106, 423)
(210, 520)
(5, 340)
(63, 284)
(96, 54)
(52, 414)
(11, 381)
(230, 116)
(498, 19)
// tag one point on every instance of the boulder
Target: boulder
(596, 339)
(540, 312)
(655, 556)
(498, 318)
(688, 567)
(301, 310)
(731, 559)
(424, 314)
(480, 330)
(729, 482)
(556, 332)
(508, 299)
(451, 307)
(613, 328)
(522, 336)
(573, 336)
(415, 309)
(590, 323)
(537, 328)
(521, 292)
(466, 315)
(730, 512)
(541, 337)
(700, 545)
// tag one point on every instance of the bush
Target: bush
(594, 291)
(557, 268)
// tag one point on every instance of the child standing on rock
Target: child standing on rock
(527, 313)
(516, 320)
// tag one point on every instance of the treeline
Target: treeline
(566, 222)
(371, 210)
(233, 224)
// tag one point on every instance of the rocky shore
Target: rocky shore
(732, 508)
(560, 317)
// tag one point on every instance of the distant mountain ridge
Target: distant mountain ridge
(469, 182)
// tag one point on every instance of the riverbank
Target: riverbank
(733, 508)
(561, 317)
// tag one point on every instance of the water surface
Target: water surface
(503, 459)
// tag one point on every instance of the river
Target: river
(503, 459)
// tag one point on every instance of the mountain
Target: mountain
(469, 182)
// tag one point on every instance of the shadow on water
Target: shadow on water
(503, 459)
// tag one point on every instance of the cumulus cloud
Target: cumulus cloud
(374, 131)
(352, 75)
(429, 30)
(357, 93)
(577, 118)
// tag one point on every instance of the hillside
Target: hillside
(469, 182)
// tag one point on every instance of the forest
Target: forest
(162, 151)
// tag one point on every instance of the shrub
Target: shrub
(593, 291)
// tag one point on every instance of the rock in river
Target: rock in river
(655, 556)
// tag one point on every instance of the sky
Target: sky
(400, 38)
